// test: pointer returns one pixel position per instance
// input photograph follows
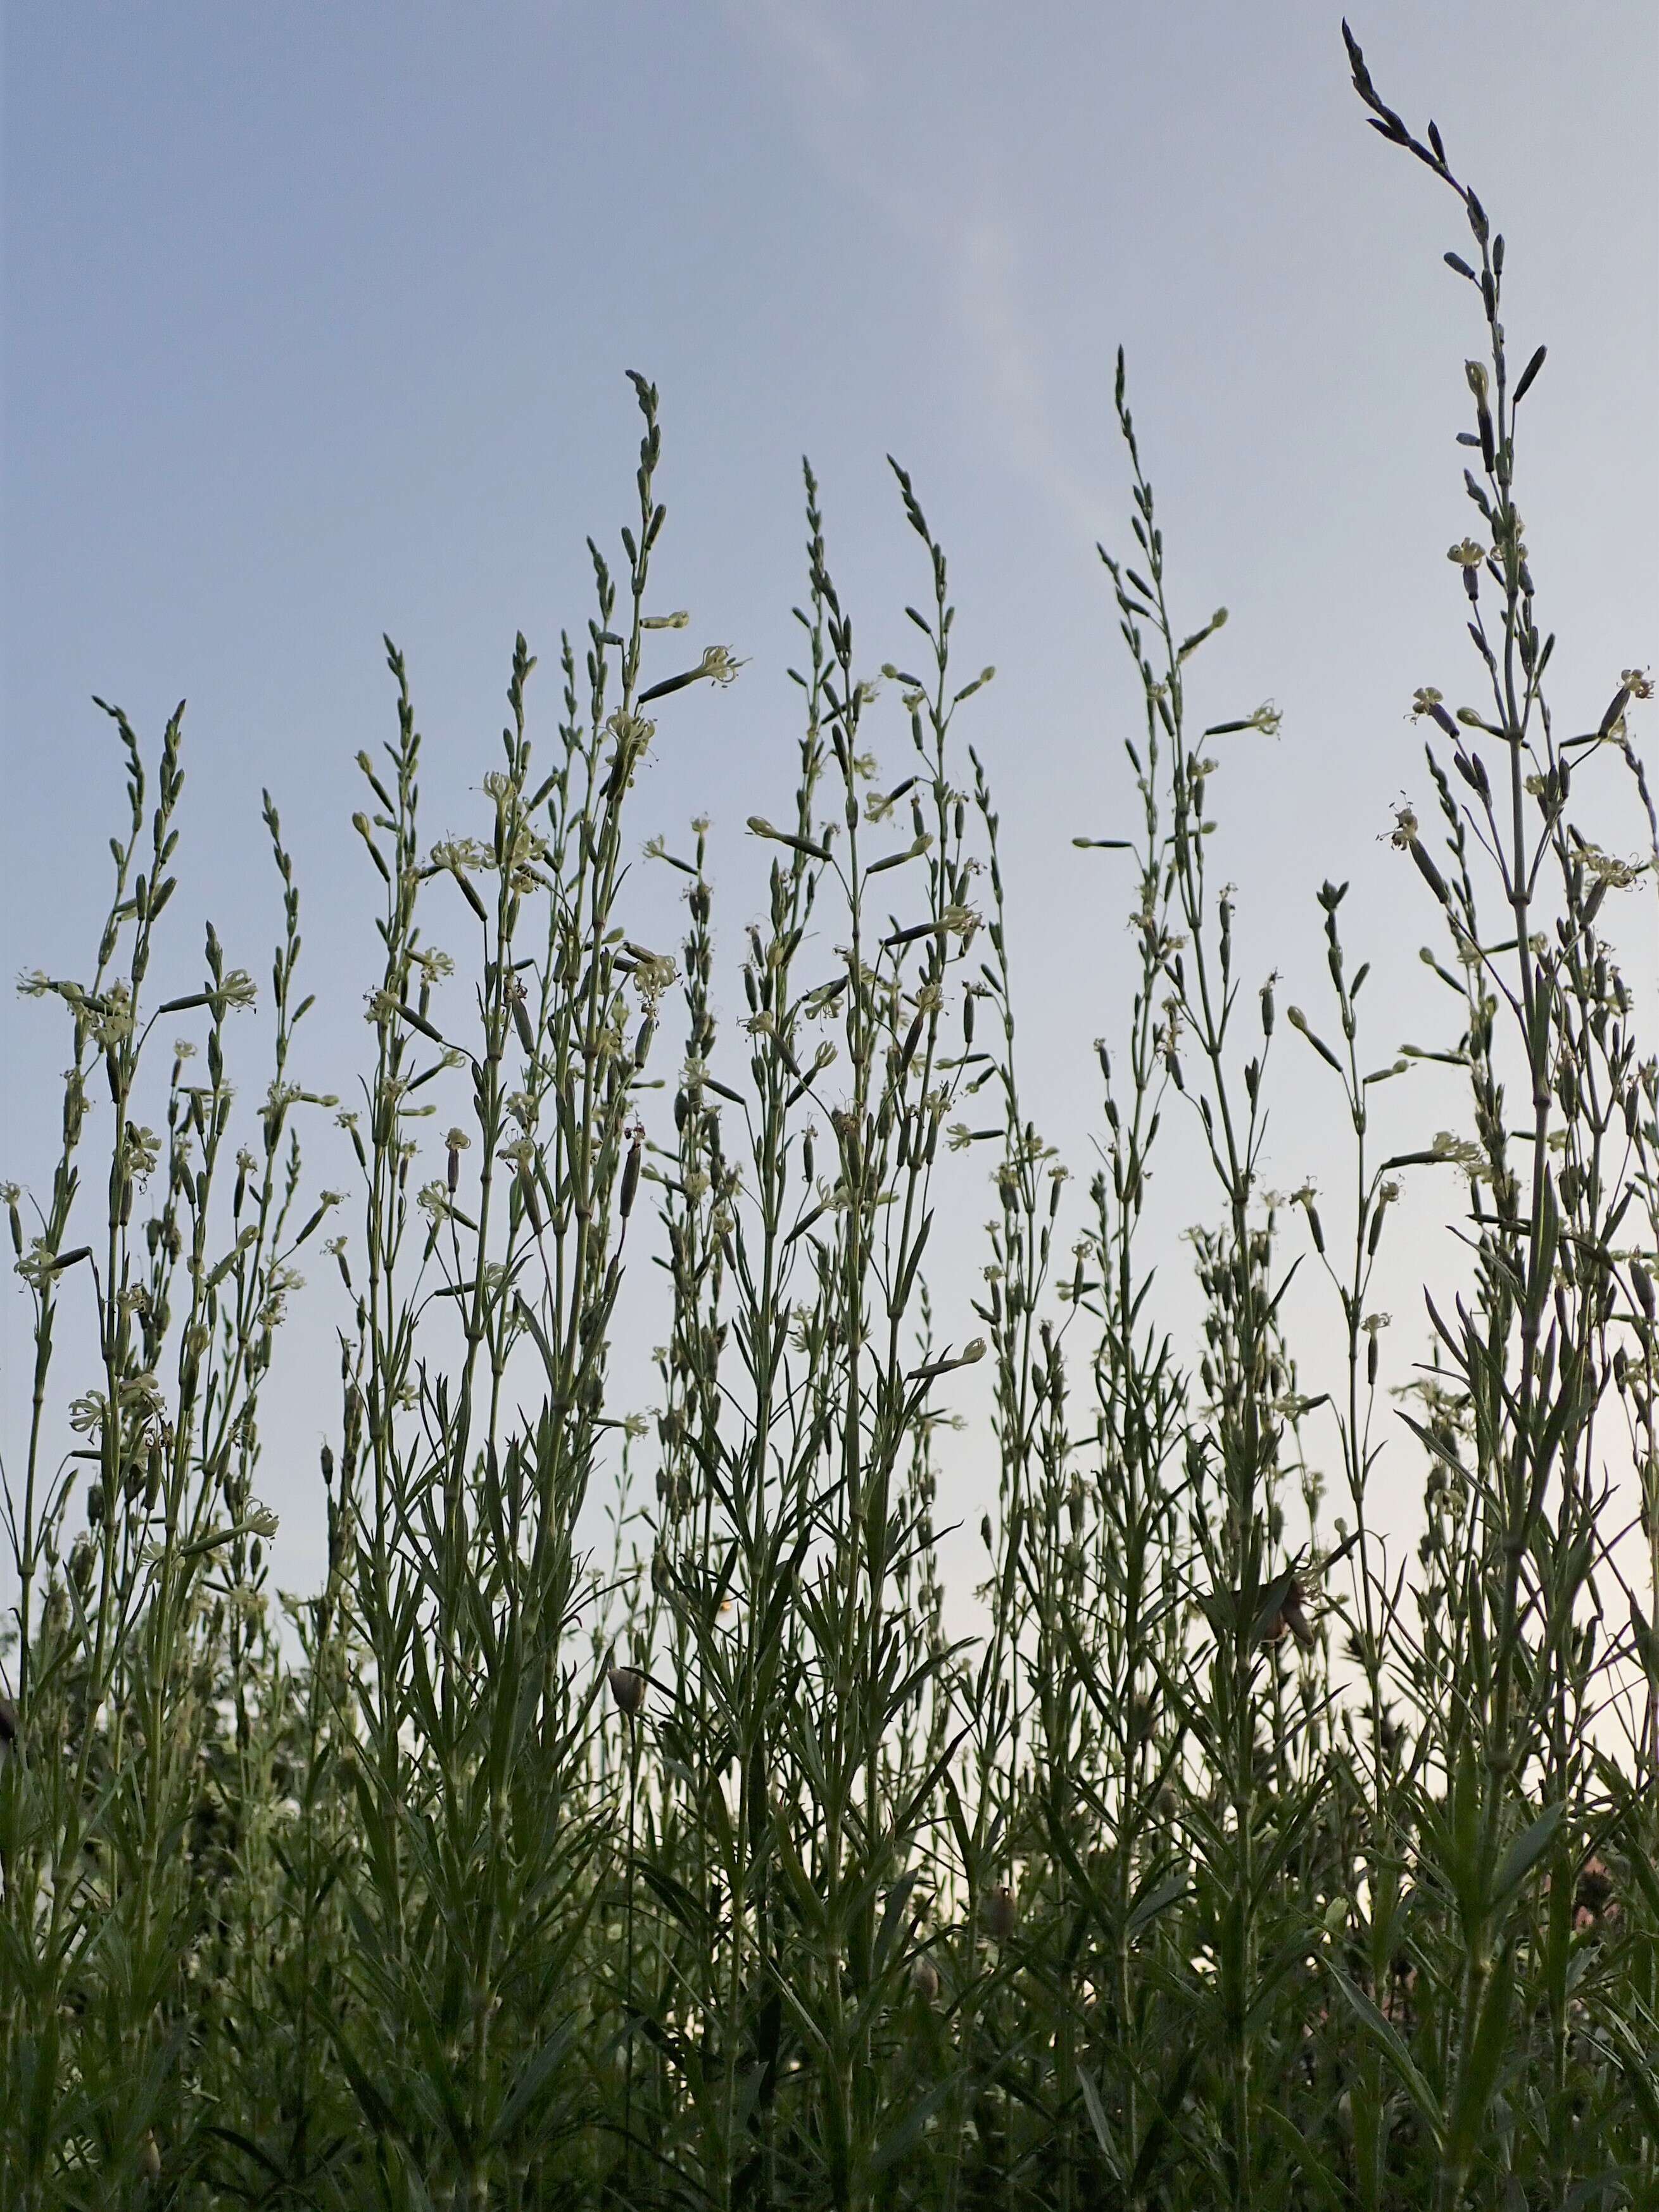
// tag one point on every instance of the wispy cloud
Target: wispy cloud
(979, 248)
(801, 34)
(1011, 368)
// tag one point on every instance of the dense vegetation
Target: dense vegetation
(1220, 1866)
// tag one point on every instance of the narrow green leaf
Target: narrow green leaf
(532, 2080)
(1523, 1854)
(910, 2130)
(1391, 2046)
(1484, 2060)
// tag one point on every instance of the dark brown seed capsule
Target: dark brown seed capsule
(1000, 1912)
(627, 1687)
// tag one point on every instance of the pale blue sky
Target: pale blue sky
(316, 322)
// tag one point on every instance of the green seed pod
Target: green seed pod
(533, 1204)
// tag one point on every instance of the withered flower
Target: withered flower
(1293, 1616)
(1593, 1900)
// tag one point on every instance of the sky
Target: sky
(316, 326)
